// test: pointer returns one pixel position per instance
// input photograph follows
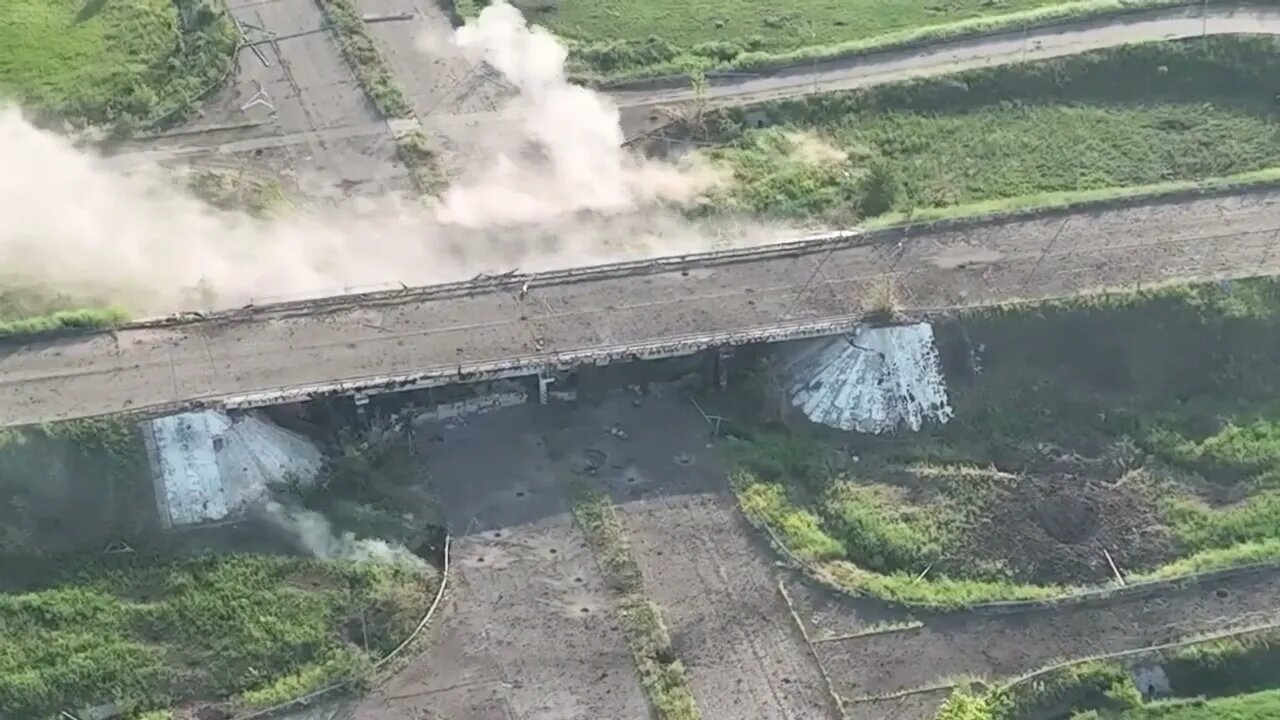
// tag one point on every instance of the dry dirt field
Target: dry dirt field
(720, 594)
(529, 631)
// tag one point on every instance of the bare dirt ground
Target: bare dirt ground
(529, 630)
(728, 619)
(455, 99)
(950, 645)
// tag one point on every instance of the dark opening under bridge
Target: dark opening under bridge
(527, 325)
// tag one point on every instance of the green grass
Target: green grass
(127, 63)
(416, 152)
(62, 320)
(1233, 677)
(626, 38)
(49, 506)
(238, 190)
(1153, 408)
(152, 634)
(1156, 116)
(1253, 706)
(663, 676)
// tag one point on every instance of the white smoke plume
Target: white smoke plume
(584, 166)
(72, 223)
(316, 534)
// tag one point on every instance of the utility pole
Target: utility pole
(1204, 19)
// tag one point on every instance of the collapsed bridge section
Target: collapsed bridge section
(519, 326)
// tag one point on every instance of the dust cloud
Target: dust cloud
(560, 192)
(316, 534)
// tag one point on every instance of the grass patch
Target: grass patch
(663, 676)
(1234, 677)
(237, 190)
(62, 320)
(1158, 116)
(417, 154)
(623, 39)
(151, 634)
(49, 506)
(1139, 423)
(127, 64)
(361, 53)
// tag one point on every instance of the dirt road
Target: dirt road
(952, 56)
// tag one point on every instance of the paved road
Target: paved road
(639, 106)
(351, 346)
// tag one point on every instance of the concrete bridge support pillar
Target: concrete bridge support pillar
(723, 357)
(544, 387)
(361, 402)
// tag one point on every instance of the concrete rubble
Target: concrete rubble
(873, 380)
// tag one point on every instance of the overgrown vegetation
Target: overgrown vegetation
(1141, 425)
(361, 53)
(49, 507)
(1227, 678)
(237, 190)
(663, 676)
(60, 320)
(624, 38)
(125, 65)
(1139, 115)
(416, 152)
(150, 634)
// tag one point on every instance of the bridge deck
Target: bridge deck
(441, 338)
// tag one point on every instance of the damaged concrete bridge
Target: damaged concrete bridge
(543, 326)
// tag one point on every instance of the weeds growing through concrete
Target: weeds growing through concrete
(361, 53)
